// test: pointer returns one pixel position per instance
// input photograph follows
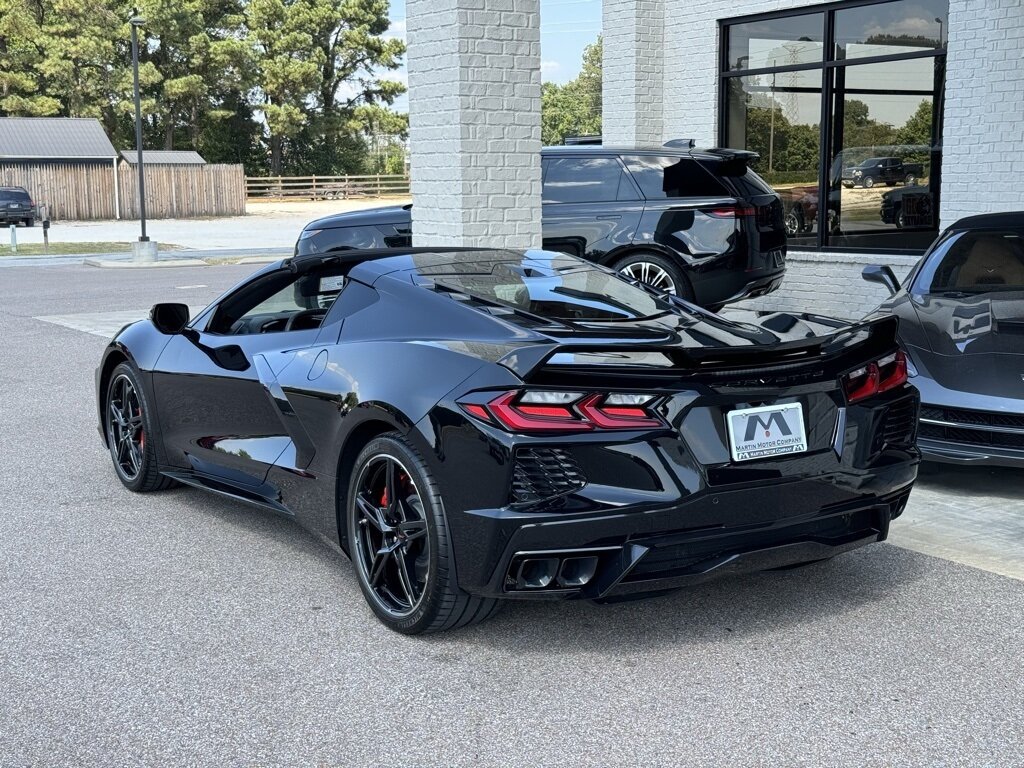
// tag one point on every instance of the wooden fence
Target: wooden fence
(82, 191)
(325, 187)
(184, 191)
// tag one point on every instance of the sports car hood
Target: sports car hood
(970, 325)
(390, 214)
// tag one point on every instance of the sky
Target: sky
(566, 28)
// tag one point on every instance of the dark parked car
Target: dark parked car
(802, 210)
(696, 223)
(908, 207)
(882, 170)
(477, 425)
(961, 316)
(16, 207)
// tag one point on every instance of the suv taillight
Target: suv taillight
(876, 377)
(551, 411)
(732, 211)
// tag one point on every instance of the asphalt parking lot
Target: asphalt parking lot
(179, 628)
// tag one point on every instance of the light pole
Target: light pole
(939, 20)
(136, 22)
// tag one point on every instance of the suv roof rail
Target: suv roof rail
(681, 143)
(594, 138)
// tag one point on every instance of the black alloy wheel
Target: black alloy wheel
(391, 546)
(125, 431)
(131, 434)
(399, 544)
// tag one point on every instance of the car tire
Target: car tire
(911, 180)
(132, 432)
(660, 273)
(900, 219)
(794, 221)
(399, 543)
(30, 222)
(869, 183)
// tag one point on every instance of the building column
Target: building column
(474, 122)
(982, 158)
(634, 65)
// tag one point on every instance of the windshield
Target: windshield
(975, 262)
(558, 288)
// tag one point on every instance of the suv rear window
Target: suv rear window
(670, 177)
(14, 196)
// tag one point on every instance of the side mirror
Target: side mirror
(169, 318)
(875, 273)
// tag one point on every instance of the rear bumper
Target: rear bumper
(736, 284)
(713, 534)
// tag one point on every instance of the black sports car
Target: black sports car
(961, 315)
(473, 425)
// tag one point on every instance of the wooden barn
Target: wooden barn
(70, 166)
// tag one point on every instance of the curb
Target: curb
(129, 264)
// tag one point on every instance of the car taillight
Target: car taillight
(550, 411)
(732, 211)
(876, 377)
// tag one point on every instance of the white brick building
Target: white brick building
(934, 88)
(670, 72)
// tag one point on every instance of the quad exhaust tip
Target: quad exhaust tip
(555, 572)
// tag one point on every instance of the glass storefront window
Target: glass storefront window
(778, 116)
(877, 184)
(908, 26)
(882, 154)
(777, 42)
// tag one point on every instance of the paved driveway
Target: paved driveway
(266, 225)
(178, 628)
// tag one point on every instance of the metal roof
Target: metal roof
(54, 138)
(164, 157)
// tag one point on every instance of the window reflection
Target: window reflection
(884, 154)
(777, 115)
(777, 42)
(880, 121)
(910, 26)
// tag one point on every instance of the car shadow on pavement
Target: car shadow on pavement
(733, 607)
(753, 605)
(972, 481)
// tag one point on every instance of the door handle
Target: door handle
(608, 217)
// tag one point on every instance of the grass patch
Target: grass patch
(60, 249)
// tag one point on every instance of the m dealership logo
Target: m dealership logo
(756, 421)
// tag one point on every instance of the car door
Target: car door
(220, 409)
(590, 204)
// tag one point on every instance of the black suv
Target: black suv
(697, 223)
(16, 207)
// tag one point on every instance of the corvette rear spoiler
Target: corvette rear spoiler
(766, 353)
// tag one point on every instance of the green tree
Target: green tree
(574, 108)
(316, 60)
(385, 132)
(918, 128)
(202, 63)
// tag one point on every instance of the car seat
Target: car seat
(992, 260)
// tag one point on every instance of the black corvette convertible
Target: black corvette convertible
(473, 425)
